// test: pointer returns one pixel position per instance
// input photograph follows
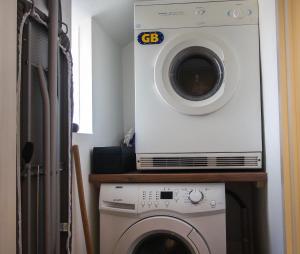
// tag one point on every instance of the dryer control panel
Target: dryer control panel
(156, 15)
(180, 198)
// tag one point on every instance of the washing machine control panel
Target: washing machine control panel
(178, 198)
(182, 198)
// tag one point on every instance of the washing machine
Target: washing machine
(197, 85)
(162, 218)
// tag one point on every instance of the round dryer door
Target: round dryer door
(196, 75)
(161, 234)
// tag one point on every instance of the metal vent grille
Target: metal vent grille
(199, 162)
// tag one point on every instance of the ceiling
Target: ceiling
(115, 16)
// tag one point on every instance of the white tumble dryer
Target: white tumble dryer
(197, 85)
(162, 218)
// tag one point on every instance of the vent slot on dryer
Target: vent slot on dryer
(202, 162)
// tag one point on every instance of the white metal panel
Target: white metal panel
(234, 128)
(146, 198)
(160, 16)
(119, 224)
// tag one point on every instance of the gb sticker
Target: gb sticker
(150, 38)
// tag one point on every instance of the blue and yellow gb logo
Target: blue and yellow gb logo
(150, 38)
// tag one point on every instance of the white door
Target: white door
(196, 73)
(161, 234)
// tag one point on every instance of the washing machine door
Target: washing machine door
(196, 73)
(161, 234)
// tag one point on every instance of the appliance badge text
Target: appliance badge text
(150, 38)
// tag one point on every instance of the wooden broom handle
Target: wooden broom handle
(84, 217)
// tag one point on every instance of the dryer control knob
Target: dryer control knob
(237, 13)
(196, 196)
(199, 11)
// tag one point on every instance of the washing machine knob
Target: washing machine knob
(196, 196)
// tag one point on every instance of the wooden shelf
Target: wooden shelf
(137, 177)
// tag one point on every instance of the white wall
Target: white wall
(128, 86)
(274, 226)
(107, 88)
(107, 125)
(8, 116)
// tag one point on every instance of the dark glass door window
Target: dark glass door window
(162, 243)
(196, 73)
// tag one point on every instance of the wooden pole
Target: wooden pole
(84, 217)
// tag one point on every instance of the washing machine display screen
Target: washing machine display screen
(166, 195)
(196, 73)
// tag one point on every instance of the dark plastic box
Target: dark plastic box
(113, 160)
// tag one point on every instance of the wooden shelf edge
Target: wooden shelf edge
(98, 179)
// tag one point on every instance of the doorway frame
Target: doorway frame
(289, 76)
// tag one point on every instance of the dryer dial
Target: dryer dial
(199, 11)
